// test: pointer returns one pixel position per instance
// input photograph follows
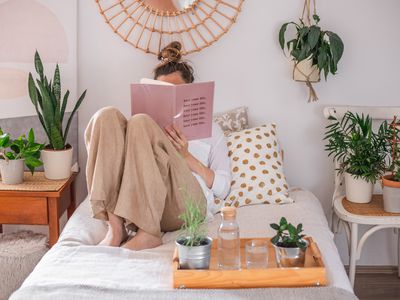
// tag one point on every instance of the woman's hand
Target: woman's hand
(181, 144)
(178, 140)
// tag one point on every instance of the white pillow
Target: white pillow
(257, 168)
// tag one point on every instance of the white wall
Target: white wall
(249, 69)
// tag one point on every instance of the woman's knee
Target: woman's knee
(104, 119)
(106, 114)
(141, 120)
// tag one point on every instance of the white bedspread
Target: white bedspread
(74, 264)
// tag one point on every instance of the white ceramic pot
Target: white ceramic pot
(305, 69)
(12, 171)
(57, 163)
(358, 190)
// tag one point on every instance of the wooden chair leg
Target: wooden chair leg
(54, 225)
(72, 205)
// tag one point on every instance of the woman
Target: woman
(136, 171)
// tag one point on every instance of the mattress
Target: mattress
(76, 267)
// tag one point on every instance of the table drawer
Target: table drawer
(23, 210)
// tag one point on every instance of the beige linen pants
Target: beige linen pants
(134, 171)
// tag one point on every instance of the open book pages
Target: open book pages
(188, 106)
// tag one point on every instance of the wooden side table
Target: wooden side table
(353, 214)
(38, 201)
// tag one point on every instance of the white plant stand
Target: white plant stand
(351, 220)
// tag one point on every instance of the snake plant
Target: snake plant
(46, 97)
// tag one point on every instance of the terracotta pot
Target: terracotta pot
(304, 69)
(391, 194)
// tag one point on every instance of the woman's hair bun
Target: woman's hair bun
(171, 53)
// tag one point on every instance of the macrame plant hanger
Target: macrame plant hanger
(306, 19)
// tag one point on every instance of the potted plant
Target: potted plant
(360, 153)
(391, 182)
(290, 245)
(14, 154)
(194, 246)
(50, 108)
(391, 189)
(312, 49)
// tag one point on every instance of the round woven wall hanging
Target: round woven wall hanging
(151, 24)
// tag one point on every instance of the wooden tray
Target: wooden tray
(313, 273)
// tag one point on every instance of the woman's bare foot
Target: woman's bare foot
(142, 240)
(116, 233)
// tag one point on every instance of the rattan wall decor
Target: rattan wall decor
(151, 24)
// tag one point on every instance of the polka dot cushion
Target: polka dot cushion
(257, 168)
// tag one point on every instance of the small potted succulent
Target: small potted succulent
(194, 246)
(290, 245)
(46, 97)
(313, 50)
(360, 153)
(14, 154)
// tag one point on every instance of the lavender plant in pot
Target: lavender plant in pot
(194, 246)
(289, 243)
(360, 153)
(15, 154)
(46, 97)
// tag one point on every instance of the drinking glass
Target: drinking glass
(256, 254)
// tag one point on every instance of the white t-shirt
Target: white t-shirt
(213, 153)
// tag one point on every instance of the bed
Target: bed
(75, 268)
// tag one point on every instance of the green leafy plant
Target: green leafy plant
(46, 97)
(359, 150)
(325, 48)
(288, 235)
(193, 230)
(21, 148)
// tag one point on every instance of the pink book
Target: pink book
(188, 106)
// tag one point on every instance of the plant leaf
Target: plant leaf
(275, 239)
(31, 136)
(282, 35)
(38, 64)
(274, 226)
(32, 90)
(57, 84)
(64, 105)
(56, 140)
(337, 46)
(313, 36)
(78, 103)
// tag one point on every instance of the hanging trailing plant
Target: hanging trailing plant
(312, 49)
